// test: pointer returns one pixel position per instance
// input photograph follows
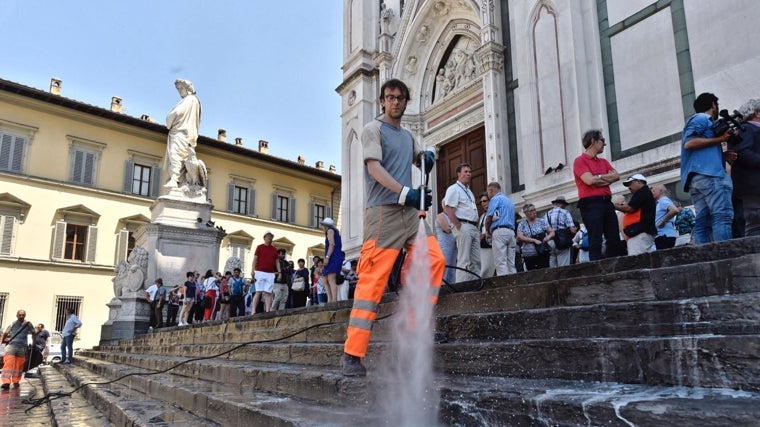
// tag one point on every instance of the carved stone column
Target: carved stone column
(491, 59)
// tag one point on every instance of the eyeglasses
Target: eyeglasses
(393, 98)
(484, 201)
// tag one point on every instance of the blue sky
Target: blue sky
(261, 69)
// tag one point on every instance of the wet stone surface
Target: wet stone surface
(12, 406)
(667, 338)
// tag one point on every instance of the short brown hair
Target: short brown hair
(462, 166)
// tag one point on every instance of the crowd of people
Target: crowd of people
(276, 284)
(498, 241)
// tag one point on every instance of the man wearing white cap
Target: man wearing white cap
(640, 234)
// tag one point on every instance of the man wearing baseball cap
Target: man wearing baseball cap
(641, 230)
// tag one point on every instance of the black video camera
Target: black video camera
(728, 122)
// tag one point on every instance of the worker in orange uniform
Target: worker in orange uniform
(391, 220)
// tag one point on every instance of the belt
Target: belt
(503, 226)
(468, 222)
(596, 199)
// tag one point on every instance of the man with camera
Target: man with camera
(703, 174)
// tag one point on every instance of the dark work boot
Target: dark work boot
(352, 366)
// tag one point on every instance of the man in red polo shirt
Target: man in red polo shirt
(265, 268)
(593, 176)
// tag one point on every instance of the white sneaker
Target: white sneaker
(182, 324)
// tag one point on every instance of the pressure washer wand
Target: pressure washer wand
(423, 186)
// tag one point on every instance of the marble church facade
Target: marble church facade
(511, 86)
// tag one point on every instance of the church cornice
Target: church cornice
(359, 72)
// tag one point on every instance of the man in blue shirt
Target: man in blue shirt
(500, 226)
(69, 332)
(665, 214)
(703, 174)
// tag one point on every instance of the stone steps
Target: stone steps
(273, 395)
(698, 361)
(73, 410)
(666, 338)
(689, 360)
(694, 316)
(217, 402)
(127, 407)
(679, 283)
(497, 401)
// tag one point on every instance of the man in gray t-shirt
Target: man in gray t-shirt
(14, 360)
(391, 217)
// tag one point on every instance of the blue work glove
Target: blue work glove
(429, 159)
(411, 197)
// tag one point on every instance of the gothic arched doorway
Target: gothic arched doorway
(468, 148)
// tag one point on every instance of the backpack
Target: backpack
(237, 286)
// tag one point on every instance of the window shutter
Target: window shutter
(7, 224)
(328, 212)
(239, 251)
(59, 239)
(274, 205)
(18, 154)
(122, 243)
(76, 174)
(312, 219)
(92, 240)
(251, 202)
(129, 172)
(89, 168)
(155, 181)
(292, 210)
(208, 187)
(5, 151)
(230, 196)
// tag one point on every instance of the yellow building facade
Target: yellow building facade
(77, 181)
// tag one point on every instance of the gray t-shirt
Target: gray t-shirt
(20, 339)
(395, 148)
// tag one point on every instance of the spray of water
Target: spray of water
(413, 396)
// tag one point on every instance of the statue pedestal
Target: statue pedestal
(179, 239)
(128, 315)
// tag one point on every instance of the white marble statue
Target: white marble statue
(232, 263)
(183, 122)
(193, 173)
(130, 274)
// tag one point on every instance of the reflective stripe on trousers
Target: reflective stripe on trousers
(375, 265)
(13, 367)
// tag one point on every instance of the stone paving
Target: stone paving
(12, 405)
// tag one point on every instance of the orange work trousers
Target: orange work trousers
(13, 367)
(387, 229)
